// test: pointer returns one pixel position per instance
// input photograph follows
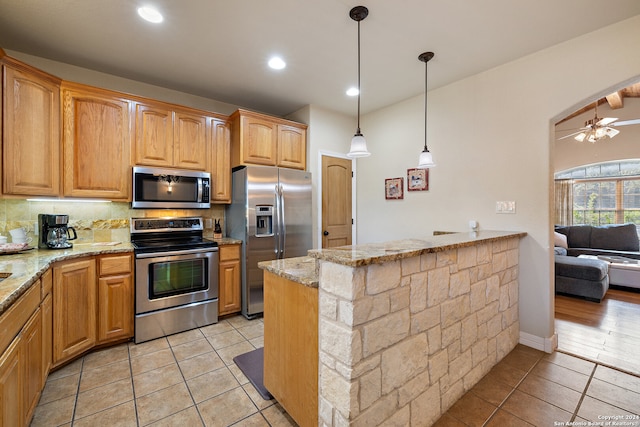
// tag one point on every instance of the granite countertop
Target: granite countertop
(27, 267)
(227, 241)
(378, 253)
(301, 270)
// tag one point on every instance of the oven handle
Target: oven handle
(167, 253)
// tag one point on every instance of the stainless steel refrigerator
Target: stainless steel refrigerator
(270, 212)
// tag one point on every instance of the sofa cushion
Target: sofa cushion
(581, 268)
(559, 251)
(615, 236)
(560, 240)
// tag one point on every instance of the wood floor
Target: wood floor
(606, 332)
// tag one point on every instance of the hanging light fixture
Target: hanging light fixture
(358, 143)
(426, 160)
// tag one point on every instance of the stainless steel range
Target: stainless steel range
(176, 276)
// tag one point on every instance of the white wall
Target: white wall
(491, 136)
(569, 153)
(108, 81)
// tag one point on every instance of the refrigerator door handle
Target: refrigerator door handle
(283, 234)
(276, 225)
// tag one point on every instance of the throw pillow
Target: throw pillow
(560, 240)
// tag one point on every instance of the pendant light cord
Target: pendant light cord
(426, 70)
(358, 131)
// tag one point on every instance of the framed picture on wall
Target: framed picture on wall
(417, 179)
(394, 188)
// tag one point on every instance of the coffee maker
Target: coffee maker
(54, 232)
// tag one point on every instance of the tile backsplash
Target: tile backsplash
(93, 221)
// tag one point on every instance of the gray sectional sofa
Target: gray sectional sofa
(589, 278)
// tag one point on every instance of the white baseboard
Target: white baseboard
(548, 345)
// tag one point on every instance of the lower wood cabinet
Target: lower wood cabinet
(229, 280)
(11, 386)
(115, 297)
(32, 355)
(21, 343)
(74, 308)
(291, 347)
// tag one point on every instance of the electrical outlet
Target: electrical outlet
(208, 223)
(506, 207)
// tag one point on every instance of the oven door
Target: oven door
(174, 278)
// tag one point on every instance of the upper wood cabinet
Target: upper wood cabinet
(264, 140)
(221, 162)
(31, 138)
(96, 143)
(168, 136)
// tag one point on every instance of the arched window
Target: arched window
(603, 193)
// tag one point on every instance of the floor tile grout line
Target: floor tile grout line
(511, 393)
(584, 392)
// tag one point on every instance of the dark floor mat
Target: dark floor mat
(251, 364)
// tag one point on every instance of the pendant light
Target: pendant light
(358, 143)
(426, 160)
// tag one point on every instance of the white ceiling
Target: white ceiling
(218, 48)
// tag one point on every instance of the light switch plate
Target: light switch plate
(506, 207)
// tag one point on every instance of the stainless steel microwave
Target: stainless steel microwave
(164, 188)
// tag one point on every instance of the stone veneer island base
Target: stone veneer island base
(405, 328)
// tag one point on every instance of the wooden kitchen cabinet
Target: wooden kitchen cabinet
(221, 164)
(115, 297)
(47, 323)
(291, 346)
(74, 308)
(229, 280)
(32, 342)
(96, 143)
(264, 140)
(11, 386)
(169, 136)
(31, 137)
(20, 359)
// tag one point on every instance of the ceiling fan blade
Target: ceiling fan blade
(606, 121)
(572, 134)
(626, 122)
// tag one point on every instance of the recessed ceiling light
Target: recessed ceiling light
(277, 63)
(151, 14)
(352, 91)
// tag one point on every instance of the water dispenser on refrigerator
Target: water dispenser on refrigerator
(264, 220)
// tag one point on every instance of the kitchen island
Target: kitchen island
(405, 327)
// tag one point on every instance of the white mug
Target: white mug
(24, 239)
(3, 240)
(18, 232)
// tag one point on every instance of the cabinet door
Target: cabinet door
(47, 336)
(258, 141)
(221, 165)
(115, 307)
(154, 135)
(190, 141)
(96, 144)
(32, 355)
(31, 139)
(11, 386)
(74, 308)
(229, 280)
(292, 147)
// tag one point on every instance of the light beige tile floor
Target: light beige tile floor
(190, 379)
(187, 379)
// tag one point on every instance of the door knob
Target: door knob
(325, 233)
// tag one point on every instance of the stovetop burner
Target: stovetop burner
(168, 234)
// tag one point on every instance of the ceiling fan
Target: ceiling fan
(597, 128)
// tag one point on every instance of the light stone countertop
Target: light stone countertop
(227, 241)
(301, 270)
(27, 267)
(378, 253)
(304, 270)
